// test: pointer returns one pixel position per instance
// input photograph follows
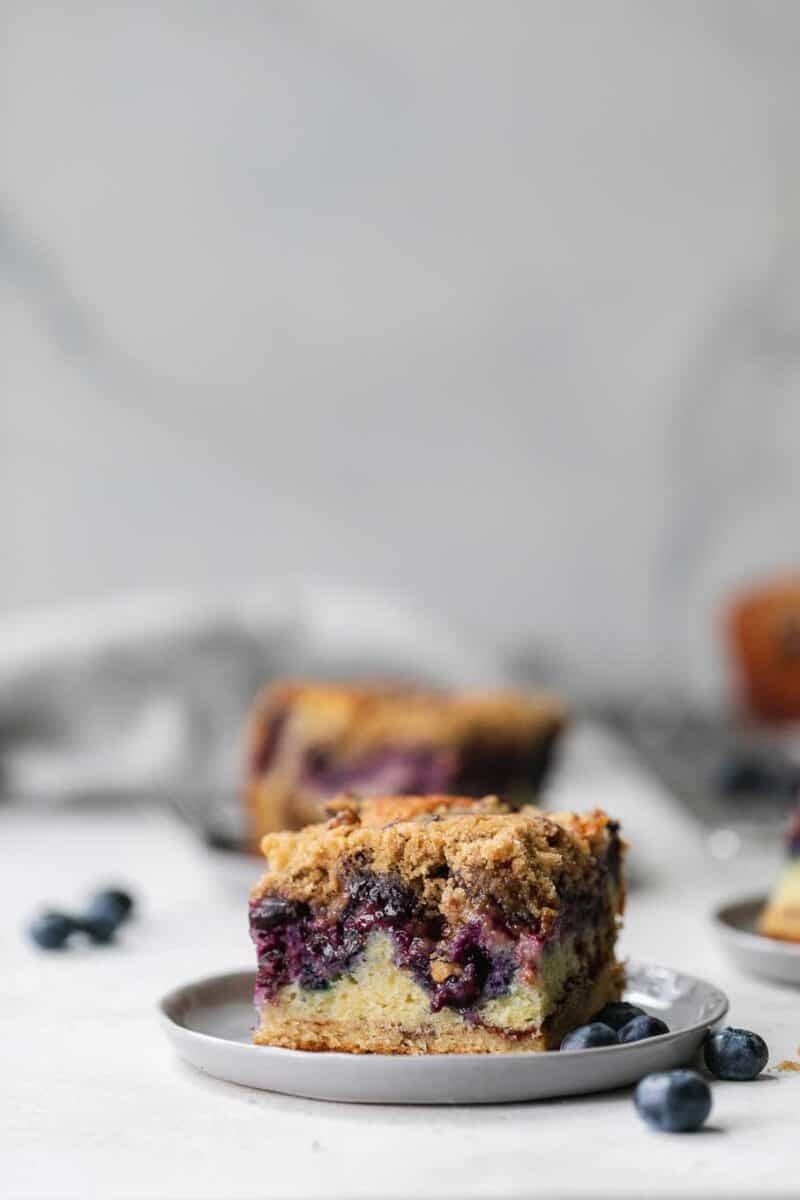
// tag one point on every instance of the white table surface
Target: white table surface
(93, 1101)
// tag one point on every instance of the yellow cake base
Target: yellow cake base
(381, 1009)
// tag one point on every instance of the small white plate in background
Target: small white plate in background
(735, 925)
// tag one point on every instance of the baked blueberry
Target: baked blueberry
(673, 1101)
(618, 1013)
(586, 1037)
(459, 991)
(642, 1027)
(50, 930)
(735, 1053)
(275, 911)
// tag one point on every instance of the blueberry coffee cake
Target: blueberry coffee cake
(763, 629)
(308, 742)
(781, 915)
(436, 924)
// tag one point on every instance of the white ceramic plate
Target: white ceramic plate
(210, 1023)
(735, 923)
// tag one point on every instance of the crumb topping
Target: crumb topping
(354, 718)
(457, 852)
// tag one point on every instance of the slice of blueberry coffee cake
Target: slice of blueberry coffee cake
(781, 915)
(309, 742)
(414, 925)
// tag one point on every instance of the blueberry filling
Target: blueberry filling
(484, 972)
(273, 911)
(482, 957)
(476, 770)
(394, 770)
(296, 945)
(385, 899)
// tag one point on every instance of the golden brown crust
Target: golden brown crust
(360, 717)
(455, 850)
(380, 811)
(350, 722)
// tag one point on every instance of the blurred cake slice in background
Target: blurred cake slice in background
(308, 742)
(764, 636)
(781, 916)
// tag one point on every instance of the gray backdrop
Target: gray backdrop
(492, 305)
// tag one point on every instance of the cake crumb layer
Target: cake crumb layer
(456, 851)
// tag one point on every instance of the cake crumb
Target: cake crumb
(789, 1064)
(443, 970)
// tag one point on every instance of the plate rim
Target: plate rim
(169, 1023)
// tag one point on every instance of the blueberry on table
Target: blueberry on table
(618, 1013)
(587, 1037)
(111, 904)
(50, 930)
(735, 1053)
(100, 928)
(642, 1027)
(673, 1101)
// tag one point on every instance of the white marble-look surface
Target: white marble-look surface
(93, 1102)
(492, 305)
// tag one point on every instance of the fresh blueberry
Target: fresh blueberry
(735, 1053)
(673, 1101)
(618, 1013)
(585, 1037)
(111, 904)
(642, 1027)
(50, 930)
(100, 928)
